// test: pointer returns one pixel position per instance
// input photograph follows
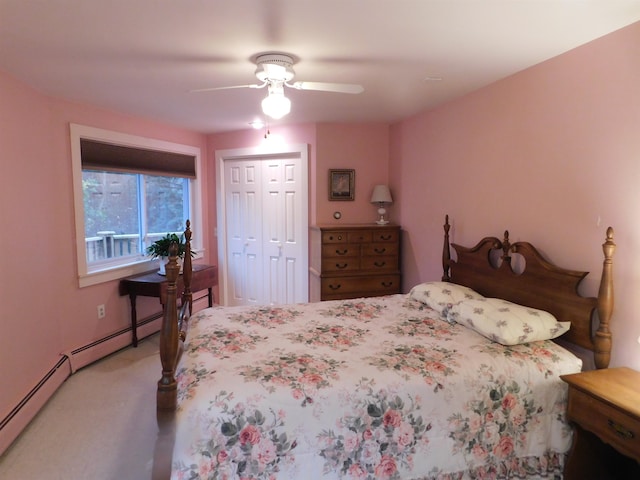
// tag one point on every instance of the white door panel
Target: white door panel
(244, 231)
(253, 280)
(265, 227)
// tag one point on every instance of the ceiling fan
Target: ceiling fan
(275, 71)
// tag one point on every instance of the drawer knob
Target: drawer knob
(341, 265)
(387, 284)
(385, 237)
(620, 430)
(380, 250)
(379, 264)
(341, 252)
(334, 287)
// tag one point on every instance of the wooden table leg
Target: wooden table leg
(134, 320)
(210, 296)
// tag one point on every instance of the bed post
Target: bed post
(167, 395)
(187, 268)
(602, 339)
(446, 252)
(187, 296)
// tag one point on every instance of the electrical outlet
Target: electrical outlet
(101, 311)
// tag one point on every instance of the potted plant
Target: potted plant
(160, 249)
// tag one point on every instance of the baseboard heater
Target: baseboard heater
(19, 417)
(87, 354)
(70, 362)
(33, 392)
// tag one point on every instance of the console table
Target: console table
(155, 285)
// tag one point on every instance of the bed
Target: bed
(457, 379)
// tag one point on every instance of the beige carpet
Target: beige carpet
(101, 423)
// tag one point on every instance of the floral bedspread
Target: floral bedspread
(375, 388)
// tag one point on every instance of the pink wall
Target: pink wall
(44, 313)
(552, 154)
(363, 147)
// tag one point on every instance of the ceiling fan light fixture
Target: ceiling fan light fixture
(275, 104)
(274, 67)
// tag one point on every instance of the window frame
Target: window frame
(139, 264)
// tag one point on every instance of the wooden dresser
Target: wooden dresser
(604, 408)
(351, 261)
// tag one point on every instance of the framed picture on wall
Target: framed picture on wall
(342, 184)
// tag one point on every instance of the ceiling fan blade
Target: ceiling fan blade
(210, 89)
(327, 87)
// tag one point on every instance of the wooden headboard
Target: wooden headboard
(487, 268)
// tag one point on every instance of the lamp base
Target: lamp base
(381, 215)
(382, 212)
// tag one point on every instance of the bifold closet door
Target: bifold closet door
(264, 231)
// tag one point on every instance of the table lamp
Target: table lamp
(381, 196)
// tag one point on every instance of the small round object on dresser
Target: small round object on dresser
(337, 215)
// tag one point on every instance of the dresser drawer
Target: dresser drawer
(380, 249)
(611, 425)
(371, 284)
(339, 251)
(379, 263)
(334, 237)
(363, 236)
(385, 236)
(337, 264)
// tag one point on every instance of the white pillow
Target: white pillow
(505, 322)
(442, 295)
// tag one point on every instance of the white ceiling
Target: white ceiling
(144, 56)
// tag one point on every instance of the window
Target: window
(129, 191)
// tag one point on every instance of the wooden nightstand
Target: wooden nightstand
(604, 407)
